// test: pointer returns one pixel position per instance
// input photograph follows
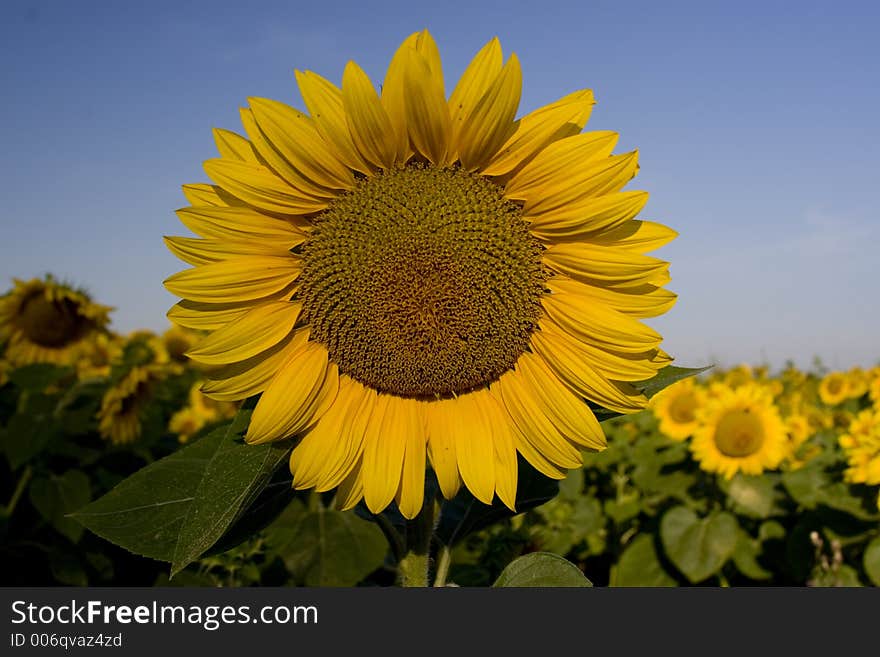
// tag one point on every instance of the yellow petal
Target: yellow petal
(506, 466)
(341, 432)
(427, 115)
(211, 316)
(351, 490)
(635, 236)
(237, 279)
(441, 447)
(411, 493)
(368, 122)
(599, 325)
(605, 264)
(324, 102)
(283, 409)
(586, 216)
(200, 194)
(491, 122)
(552, 340)
(258, 330)
(532, 422)
(195, 251)
(638, 301)
(384, 447)
(239, 224)
(233, 146)
(259, 187)
(591, 179)
(560, 164)
(252, 376)
(469, 424)
(276, 161)
(294, 136)
(564, 118)
(472, 86)
(573, 369)
(569, 414)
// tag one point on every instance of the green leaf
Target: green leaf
(330, 548)
(38, 376)
(175, 509)
(650, 387)
(541, 569)
(640, 566)
(234, 477)
(56, 496)
(30, 431)
(698, 548)
(871, 561)
(67, 568)
(745, 557)
(753, 496)
(805, 485)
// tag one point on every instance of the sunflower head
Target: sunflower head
(122, 407)
(419, 277)
(740, 431)
(97, 356)
(676, 408)
(176, 341)
(45, 321)
(861, 444)
(834, 388)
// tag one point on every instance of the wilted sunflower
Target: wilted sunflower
(740, 431)
(408, 274)
(676, 409)
(44, 321)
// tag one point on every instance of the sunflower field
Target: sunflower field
(735, 478)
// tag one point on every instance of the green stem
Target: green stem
(19, 489)
(413, 566)
(444, 559)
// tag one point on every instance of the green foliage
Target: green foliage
(541, 569)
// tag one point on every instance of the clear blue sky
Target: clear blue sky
(757, 125)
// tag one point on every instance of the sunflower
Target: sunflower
(676, 408)
(122, 407)
(97, 355)
(834, 388)
(740, 431)
(44, 321)
(408, 279)
(177, 341)
(200, 411)
(861, 444)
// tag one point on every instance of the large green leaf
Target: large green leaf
(541, 569)
(55, 496)
(233, 479)
(640, 566)
(745, 557)
(698, 547)
(30, 431)
(321, 547)
(168, 511)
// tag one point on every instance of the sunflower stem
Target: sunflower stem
(444, 559)
(19, 489)
(413, 566)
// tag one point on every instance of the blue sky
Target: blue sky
(756, 124)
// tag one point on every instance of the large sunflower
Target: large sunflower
(45, 321)
(740, 431)
(408, 277)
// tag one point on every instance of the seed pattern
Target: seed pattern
(422, 281)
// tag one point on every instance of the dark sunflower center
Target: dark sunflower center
(739, 434)
(51, 323)
(422, 281)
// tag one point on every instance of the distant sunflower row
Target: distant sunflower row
(44, 320)
(744, 420)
